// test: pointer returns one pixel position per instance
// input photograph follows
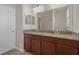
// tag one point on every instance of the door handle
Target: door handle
(12, 31)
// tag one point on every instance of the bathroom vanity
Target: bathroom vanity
(40, 43)
(64, 38)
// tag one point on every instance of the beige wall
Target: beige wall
(19, 27)
(27, 10)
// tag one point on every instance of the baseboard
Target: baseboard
(22, 50)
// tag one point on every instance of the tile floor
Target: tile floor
(16, 52)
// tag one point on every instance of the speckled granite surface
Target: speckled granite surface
(73, 36)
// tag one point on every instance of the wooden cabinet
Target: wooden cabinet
(47, 46)
(66, 47)
(43, 45)
(62, 49)
(27, 42)
(35, 44)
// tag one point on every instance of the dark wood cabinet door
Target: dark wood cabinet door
(44, 45)
(35, 45)
(26, 43)
(62, 49)
(47, 48)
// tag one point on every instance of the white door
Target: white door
(7, 28)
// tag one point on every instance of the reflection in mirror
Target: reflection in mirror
(60, 19)
(29, 19)
(69, 18)
(26, 19)
(52, 20)
(56, 20)
(33, 20)
(63, 20)
(45, 21)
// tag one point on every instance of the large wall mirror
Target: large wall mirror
(56, 20)
(63, 21)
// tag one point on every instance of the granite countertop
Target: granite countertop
(73, 36)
